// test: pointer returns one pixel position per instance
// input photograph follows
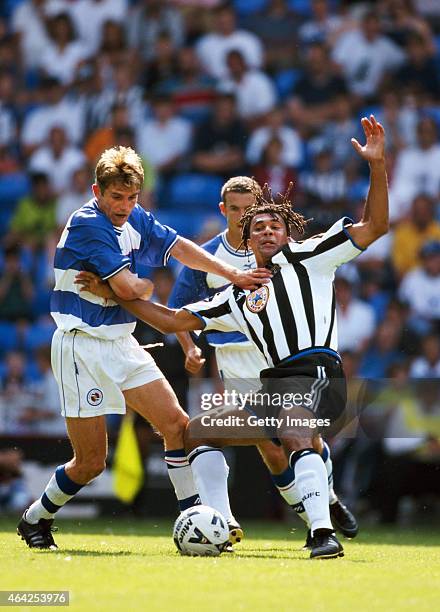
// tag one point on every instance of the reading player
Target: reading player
(98, 365)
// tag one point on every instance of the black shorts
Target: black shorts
(314, 383)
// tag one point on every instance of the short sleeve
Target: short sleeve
(216, 312)
(190, 285)
(326, 251)
(158, 241)
(97, 248)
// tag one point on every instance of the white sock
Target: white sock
(326, 457)
(311, 483)
(285, 483)
(181, 476)
(58, 491)
(211, 476)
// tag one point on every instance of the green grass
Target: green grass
(132, 565)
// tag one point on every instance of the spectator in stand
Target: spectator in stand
(56, 108)
(276, 26)
(58, 159)
(8, 123)
(417, 170)
(272, 169)
(218, 143)
(275, 126)
(314, 96)
(165, 139)
(427, 364)
(382, 352)
(44, 415)
(410, 235)
(123, 89)
(105, 137)
(399, 118)
(29, 24)
(254, 91)
(62, 56)
(89, 17)
(366, 55)
(34, 218)
(191, 91)
(355, 318)
(73, 198)
(412, 449)
(419, 74)
(149, 20)
(162, 66)
(337, 133)
(14, 495)
(114, 49)
(324, 26)
(402, 21)
(16, 288)
(420, 289)
(323, 184)
(14, 391)
(213, 47)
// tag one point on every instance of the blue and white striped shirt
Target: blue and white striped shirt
(90, 242)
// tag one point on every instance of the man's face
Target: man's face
(117, 201)
(268, 234)
(234, 206)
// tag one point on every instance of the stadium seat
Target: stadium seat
(285, 81)
(12, 188)
(302, 7)
(195, 191)
(247, 7)
(9, 340)
(187, 225)
(38, 334)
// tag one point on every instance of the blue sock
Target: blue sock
(60, 489)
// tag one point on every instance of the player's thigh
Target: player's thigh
(88, 437)
(222, 427)
(158, 404)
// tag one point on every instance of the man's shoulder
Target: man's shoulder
(212, 245)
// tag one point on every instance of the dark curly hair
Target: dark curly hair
(265, 203)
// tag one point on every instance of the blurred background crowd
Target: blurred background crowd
(205, 90)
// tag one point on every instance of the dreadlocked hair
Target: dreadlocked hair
(265, 203)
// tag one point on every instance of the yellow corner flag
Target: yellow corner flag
(128, 469)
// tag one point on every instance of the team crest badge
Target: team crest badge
(257, 300)
(95, 397)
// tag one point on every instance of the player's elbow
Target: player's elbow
(126, 293)
(381, 228)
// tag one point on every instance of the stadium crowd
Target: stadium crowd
(205, 90)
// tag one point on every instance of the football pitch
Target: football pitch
(131, 565)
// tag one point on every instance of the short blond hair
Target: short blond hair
(240, 184)
(119, 165)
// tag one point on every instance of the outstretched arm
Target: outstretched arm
(374, 222)
(166, 320)
(197, 258)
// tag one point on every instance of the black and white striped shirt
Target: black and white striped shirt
(295, 313)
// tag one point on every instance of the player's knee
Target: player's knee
(274, 457)
(176, 425)
(87, 470)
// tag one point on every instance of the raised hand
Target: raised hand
(374, 148)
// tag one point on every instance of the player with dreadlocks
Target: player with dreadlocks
(291, 321)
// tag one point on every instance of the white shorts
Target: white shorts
(241, 366)
(92, 373)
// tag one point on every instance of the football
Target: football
(200, 531)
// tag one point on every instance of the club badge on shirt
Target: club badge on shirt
(257, 300)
